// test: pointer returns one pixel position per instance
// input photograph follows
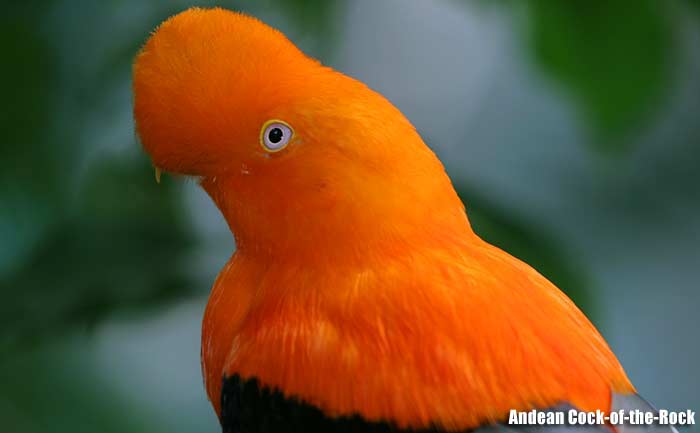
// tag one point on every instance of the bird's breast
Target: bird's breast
(445, 340)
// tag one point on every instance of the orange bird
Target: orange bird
(359, 298)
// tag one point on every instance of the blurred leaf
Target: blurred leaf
(314, 16)
(57, 387)
(612, 55)
(311, 24)
(27, 190)
(26, 82)
(123, 248)
(70, 257)
(530, 244)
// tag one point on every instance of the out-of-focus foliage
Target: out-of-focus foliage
(313, 16)
(76, 244)
(613, 57)
(119, 245)
(50, 389)
(28, 151)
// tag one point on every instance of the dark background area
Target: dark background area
(570, 129)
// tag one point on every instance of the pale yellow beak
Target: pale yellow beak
(158, 172)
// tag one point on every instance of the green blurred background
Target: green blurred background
(571, 130)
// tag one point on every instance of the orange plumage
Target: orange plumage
(358, 285)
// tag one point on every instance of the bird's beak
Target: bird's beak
(158, 172)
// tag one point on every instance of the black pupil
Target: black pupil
(275, 135)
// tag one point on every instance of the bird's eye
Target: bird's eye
(275, 135)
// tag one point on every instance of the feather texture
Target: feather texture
(358, 286)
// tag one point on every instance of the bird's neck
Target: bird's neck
(256, 289)
(340, 232)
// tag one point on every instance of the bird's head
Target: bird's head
(293, 152)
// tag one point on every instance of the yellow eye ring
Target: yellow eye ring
(275, 135)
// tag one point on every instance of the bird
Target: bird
(358, 298)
